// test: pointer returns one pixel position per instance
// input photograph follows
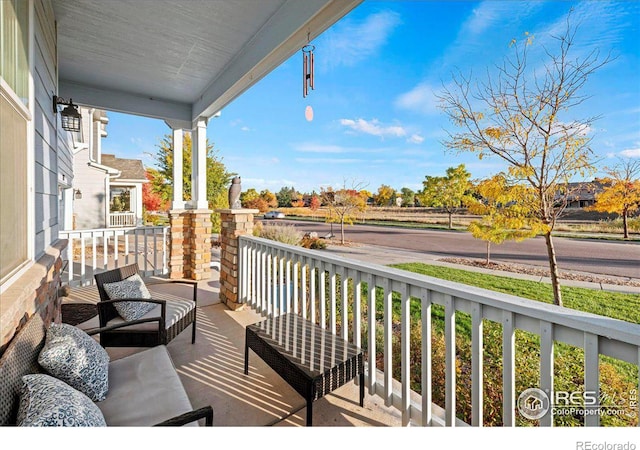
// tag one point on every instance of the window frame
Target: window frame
(28, 113)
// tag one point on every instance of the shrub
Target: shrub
(313, 243)
(287, 234)
(257, 228)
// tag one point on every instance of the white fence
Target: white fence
(106, 248)
(122, 219)
(316, 286)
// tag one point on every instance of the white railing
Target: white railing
(95, 250)
(122, 219)
(270, 271)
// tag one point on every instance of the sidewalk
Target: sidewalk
(387, 255)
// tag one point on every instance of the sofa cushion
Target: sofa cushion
(132, 287)
(76, 358)
(177, 308)
(46, 401)
(145, 390)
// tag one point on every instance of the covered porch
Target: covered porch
(212, 369)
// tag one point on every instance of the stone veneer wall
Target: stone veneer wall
(190, 244)
(35, 292)
(235, 223)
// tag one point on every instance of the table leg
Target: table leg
(246, 358)
(361, 389)
(309, 412)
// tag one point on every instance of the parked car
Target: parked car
(274, 215)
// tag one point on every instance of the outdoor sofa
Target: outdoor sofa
(144, 389)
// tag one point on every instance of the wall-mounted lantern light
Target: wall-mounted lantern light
(69, 116)
(77, 194)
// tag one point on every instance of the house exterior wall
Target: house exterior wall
(35, 289)
(89, 211)
(52, 149)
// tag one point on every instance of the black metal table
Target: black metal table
(313, 361)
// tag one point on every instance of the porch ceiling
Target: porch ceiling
(179, 60)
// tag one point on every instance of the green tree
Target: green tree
(285, 196)
(524, 115)
(450, 192)
(218, 178)
(408, 196)
(506, 212)
(621, 194)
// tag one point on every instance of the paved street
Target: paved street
(614, 258)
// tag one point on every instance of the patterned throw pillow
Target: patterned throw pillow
(48, 402)
(74, 357)
(132, 287)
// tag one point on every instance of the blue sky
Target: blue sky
(376, 119)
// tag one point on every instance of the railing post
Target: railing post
(235, 223)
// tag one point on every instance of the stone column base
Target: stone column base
(235, 223)
(190, 244)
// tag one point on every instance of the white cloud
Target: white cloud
(374, 128)
(631, 153)
(351, 42)
(245, 128)
(421, 98)
(415, 139)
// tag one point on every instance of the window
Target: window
(14, 46)
(14, 119)
(120, 200)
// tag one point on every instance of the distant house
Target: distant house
(583, 194)
(107, 190)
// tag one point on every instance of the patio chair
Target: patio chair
(159, 325)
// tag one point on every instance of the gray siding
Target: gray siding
(89, 211)
(52, 153)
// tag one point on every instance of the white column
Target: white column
(199, 165)
(178, 192)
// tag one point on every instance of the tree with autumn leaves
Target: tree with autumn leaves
(343, 204)
(506, 210)
(621, 193)
(524, 116)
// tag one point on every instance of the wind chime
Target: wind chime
(307, 76)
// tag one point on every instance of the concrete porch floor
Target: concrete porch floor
(212, 370)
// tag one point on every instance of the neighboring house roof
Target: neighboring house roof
(131, 169)
(585, 190)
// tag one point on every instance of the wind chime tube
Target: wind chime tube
(311, 70)
(304, 75)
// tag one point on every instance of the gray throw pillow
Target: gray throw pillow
(48, 402)
(74, 357)
(132, 287)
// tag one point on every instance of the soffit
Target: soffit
(179, 59)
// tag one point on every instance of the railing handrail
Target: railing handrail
(146, 245)
(111, 230)
(608, 327)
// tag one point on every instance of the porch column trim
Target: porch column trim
(199, 165)
(178, 189)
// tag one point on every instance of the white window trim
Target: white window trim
(28, 113)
